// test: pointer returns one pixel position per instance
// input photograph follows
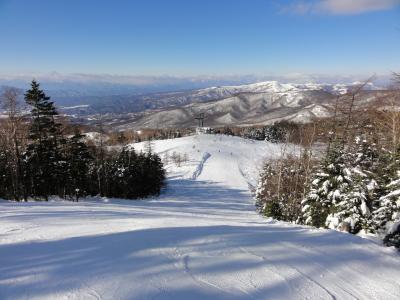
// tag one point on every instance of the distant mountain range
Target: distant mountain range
(249, 104)
(132, 103)
(260, 103)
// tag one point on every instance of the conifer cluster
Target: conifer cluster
(353, 189)
(52, 163)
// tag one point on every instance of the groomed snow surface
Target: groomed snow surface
(202, 239)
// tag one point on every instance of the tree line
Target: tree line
(38, 160)
(274, 133)
(353, 184)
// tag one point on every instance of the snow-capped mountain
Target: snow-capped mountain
(153, 103)
(258, 103)
(275, 86)
(241, 109)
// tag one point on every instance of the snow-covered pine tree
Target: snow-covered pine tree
(386, 213)
(353, 212)
(43, 154)
(329, 186)
(254, 133)
(266, 202)
(261, 190)
(390, 205)
(274, 133)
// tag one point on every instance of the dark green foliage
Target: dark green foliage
(275, 133)
(254, 133)
(67, 167)
(273, 209)
(387, 205)
(134, 175)
(328, 186)
(392, 239)
(353, 210)
(43, 157)
(77, 162)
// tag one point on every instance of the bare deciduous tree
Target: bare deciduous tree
(14, 135)
(388, 118)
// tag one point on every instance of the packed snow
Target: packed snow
(201, 239)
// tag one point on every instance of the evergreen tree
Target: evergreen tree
(266, 200)
(151, 174)
(262, 191)
(78, 160)
(275, 134)
(53, 165)
(353, 212)
(254, 133)
(389, 212)
(125, 183)
(43, 154)
(131, 175)
(328, 187)
(386, 213)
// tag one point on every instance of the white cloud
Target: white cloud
(340, 7)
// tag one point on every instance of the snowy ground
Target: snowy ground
(200, 240)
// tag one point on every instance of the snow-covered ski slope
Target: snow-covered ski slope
(200, 240)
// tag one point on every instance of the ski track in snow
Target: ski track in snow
(201, 239)
(200, 166)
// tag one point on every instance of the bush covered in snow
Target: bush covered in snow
(281, 187)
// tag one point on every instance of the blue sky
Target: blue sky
(199, 37)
